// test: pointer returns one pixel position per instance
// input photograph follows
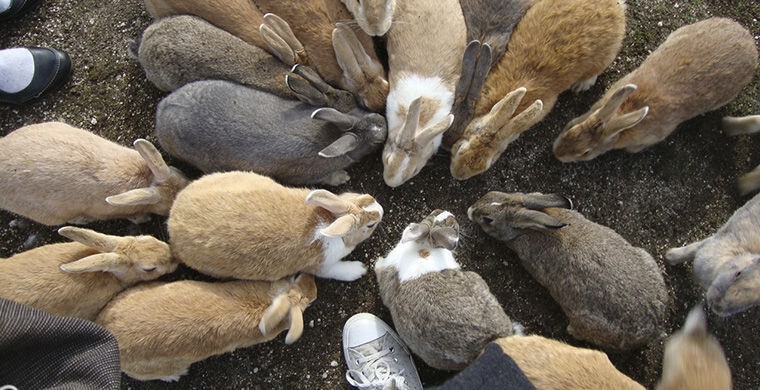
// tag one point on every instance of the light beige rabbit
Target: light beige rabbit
(78, 278)
(425, 47)
(556, 46)
(247, 226)
(733, 126)
(699, 67)
(163, 328)
(551, 364)
(54, 173)
(694, 359)
(373, 16)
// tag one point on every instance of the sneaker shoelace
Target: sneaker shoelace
(377, 368)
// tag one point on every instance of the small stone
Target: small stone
(333, 364)
(659, 24)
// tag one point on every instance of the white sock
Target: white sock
(4, 5)
(16, 69)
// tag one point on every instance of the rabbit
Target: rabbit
(552, 364)
(612, 292)
(246, 226)
(55, 173)
(445, 315)
(169, 55)
(161, 329)
(240, 18)
(693, 358)
(489, 26)
(317, 33)
(425, 46)
(264, 133)
(374, 17)
(733, 126)
(556, 46)
(79, 278)
(699, 67)
(727, 264)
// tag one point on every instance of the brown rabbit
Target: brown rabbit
(78, 278)
(162, 329)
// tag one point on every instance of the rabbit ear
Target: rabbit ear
(309, 86)
(328, 201)
(427, 134)
(444, 237)
(340, 227)
(538, 201)
(409, 128)
(296, 325)
(274, 314)
(535, 220)
(139, 196)
(414, 232)
(105, 262)
(305, 91)
(278, 35)
(502, 111)
(347, 53)
(695, 324)
(744, 125)
(616, 100)
(153, 158)
(623, 122)
(343, 121)
(519, 124)
(343, 145)
(99, 241)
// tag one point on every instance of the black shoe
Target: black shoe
(51, 69)
(18, 8)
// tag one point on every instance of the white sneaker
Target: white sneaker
(376, 357)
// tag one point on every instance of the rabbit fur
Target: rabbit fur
(612, 292)
(55, 173)
(170, 57)
(557, 45)
(240, 18)
(750, 124)
(246, 226)
(693, 358)
(551, 364)
(445, 315)
(320, 33)
(727, 264)
(372, 16)
(425, 46)
(699, 67)
(288, 140)
(161, 329)
(489, 26)
(78, 279)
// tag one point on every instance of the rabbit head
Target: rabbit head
(596, 132)
(291, 301)
(408, 148)
(737, 285)
(357, 215)
(506, 216)
(130, 259)
(363, 134)
(364, 76)
(440, 229)
(486, 137)
(373, 16)
(166, 183)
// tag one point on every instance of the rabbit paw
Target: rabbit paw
(584, 85)
(336, 178)
(346, 271)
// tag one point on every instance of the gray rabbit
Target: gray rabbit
(222, 126)
(612, 292)
(445, 315)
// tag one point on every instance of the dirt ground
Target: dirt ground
(676, 192)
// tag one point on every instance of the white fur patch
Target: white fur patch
(333, 248)
(406, 260)
(442, 216)
(409, 88)
(374, 207)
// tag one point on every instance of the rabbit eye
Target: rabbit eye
(738, 274)
(370, 226)
(488, 220)
(148, 269)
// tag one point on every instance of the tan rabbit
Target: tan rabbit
(163, 328)
(373, 16)
(425, 47)
(551, 364)
(317, 33)
(78, 278)
(238, 17)
(733, 126)
(247, 226)
(694, 359)
(557, 45)
(699, 67)
(54, 173)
